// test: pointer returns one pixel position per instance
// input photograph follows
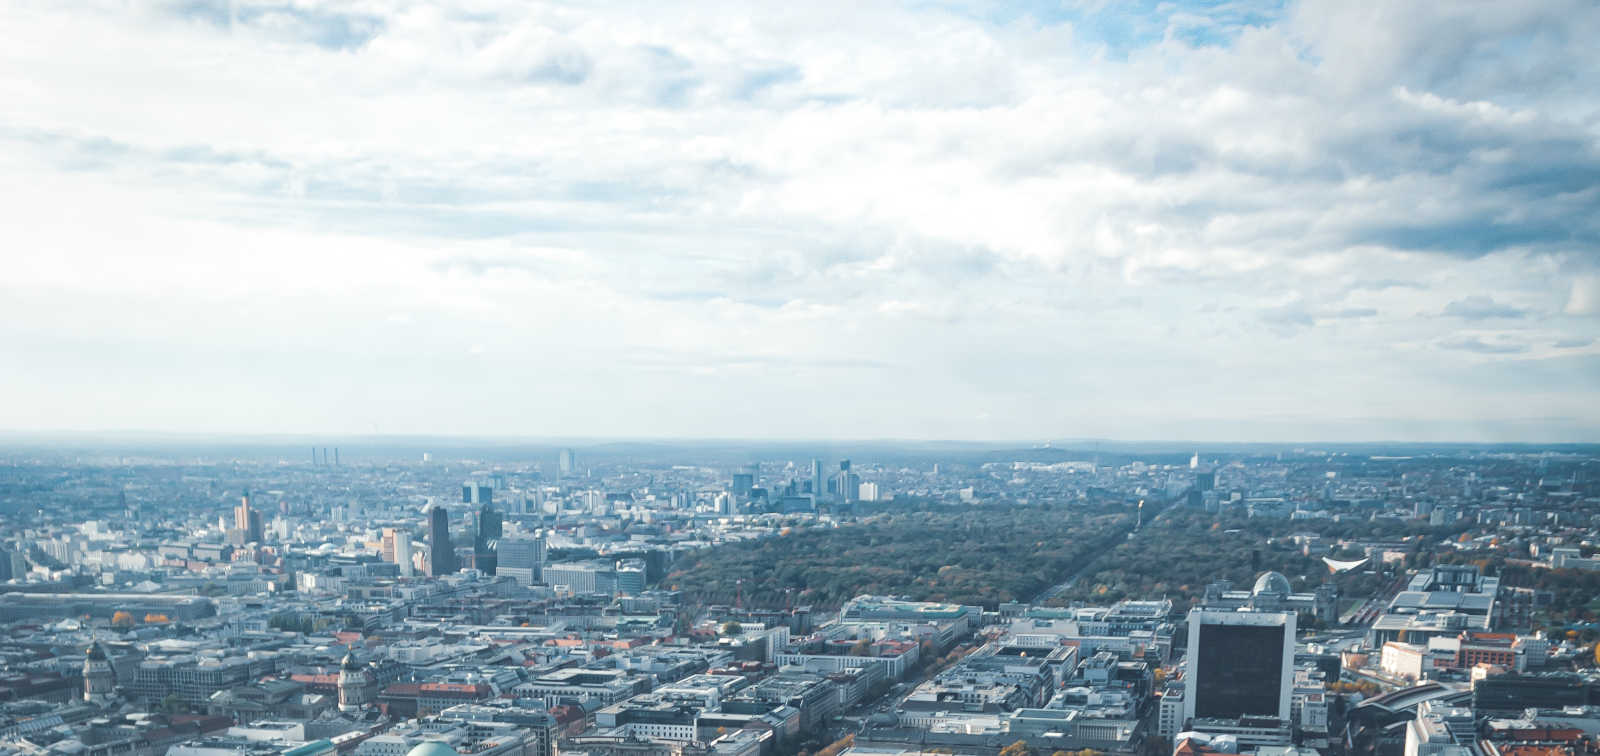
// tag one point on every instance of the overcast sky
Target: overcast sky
(1313, 221)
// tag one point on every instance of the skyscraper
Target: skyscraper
(818, 484)
(402, 553)
(742, 483)
(489, 529)
(473, 492)
(1240, 664)
(247, 521)
(568, 463)
(441, 553)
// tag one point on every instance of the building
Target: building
(521, 558)
(473, 492)
(1240, 664)
(402, 553)
(567, 464)
(356, 685)
(488, 533)
(247, 527)
(1170, 719)
(441, 553)
(1273, 593)
(592, 577)
(99, 680)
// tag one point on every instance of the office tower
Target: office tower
(473, 492)
(402, 553)
(568, 463)
(742, 483)
(247, 521)
(336, 456)
(441, 554)
(818, 483)
(488, 532)
(390, 536)
(1205, 480)
(521, 557)
(847, 486)
(1240, 664)
(869, 491)
(1194, 462)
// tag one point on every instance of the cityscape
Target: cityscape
(611, 599)
(823, 378)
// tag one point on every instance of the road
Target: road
(1089, 566)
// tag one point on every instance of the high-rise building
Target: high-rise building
(1241, 664)
(847, 486)
(520, 557)
(488, 532)
(402, 553)
(568, 462)
(247, 522)
(390, 535)
(473, 492)
(441, 553)
(742, 483)
(819, 485)
(869, 491)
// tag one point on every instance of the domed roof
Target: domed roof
(1272, 584)
(432, 748)
(350, 662)
(95, 652)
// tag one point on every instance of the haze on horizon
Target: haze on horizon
(959, 220)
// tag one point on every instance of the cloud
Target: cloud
(1584, 299)
(1573, 343)
(1478, 307)
(1026, 202)
(1480, 346)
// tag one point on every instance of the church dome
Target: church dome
(432, 748)
(1272, 584)
(95, 652)
(350, 662)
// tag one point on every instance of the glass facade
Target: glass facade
(1240, 671)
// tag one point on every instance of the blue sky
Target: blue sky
(1230, 221)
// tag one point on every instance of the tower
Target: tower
(99, 681)
(441, 553)
(1240, 664)
(247, 520)
(489, 532)
(355, 684)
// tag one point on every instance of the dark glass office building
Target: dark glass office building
(441, 553)
(1241, 664)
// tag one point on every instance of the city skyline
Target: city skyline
(1276, 222)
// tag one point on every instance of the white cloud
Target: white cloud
(865, 220)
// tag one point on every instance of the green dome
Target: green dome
(432, 748)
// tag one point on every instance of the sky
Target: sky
(1320, 220)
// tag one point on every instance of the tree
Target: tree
(732, 628)
(122, 619)
(862, 647)
(1019, 748)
